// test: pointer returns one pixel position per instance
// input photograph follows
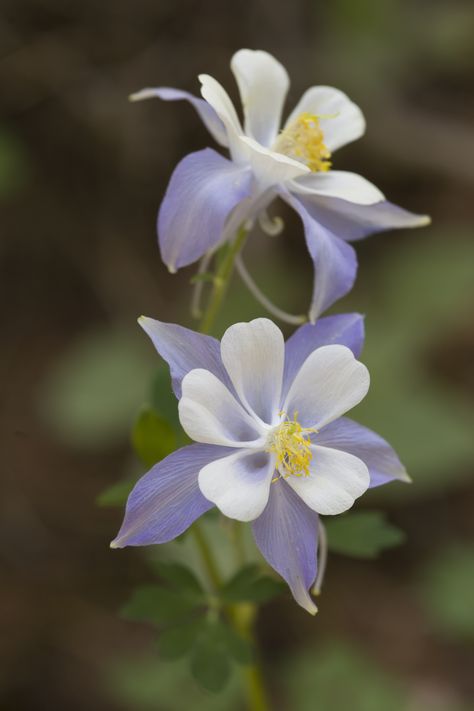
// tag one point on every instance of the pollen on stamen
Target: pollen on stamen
(303, 140)
(292, 445)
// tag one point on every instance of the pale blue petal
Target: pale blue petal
(373, 450)
(185, 350)
(203, 190)
(167, 500)
(287, 536)
(344, 329)
(335, 261)
(207, 114)
(353, 222)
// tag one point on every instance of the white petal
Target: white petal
(209, 413)
(345, 121)
(253, 355)
(336, 479)
(339, 184)
(217, 97)
(239, 485)
(269, 167)
(263, 84)
(329, 383)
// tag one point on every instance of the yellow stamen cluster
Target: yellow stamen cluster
(303, 140)
(291, 444)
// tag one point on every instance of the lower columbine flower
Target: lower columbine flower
(210, 196)
(272, 445)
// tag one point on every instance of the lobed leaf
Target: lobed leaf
(181, 577)
(249, 585)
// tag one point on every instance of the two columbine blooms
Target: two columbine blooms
(272, 445)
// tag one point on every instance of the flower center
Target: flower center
(303, 140)
(291, 444)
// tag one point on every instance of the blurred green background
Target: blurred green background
(82, 173)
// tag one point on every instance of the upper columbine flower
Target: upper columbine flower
(209, 196)
(273, 448)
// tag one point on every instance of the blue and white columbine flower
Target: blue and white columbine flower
(210, 196)
(272, 445)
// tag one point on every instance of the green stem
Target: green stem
(242, 616)
(207, 556)
(243, 619)
(221, 280)
(238, 541)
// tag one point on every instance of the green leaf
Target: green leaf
(180, 640)
(152, 437)
(239, 648)
(363, 534)
(117, 494)
(163, 399)
(210, 661)
(177, 642)
(152, 603)
(249, 585)
(447, 591)
(179, 576)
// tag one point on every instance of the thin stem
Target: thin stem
(264, 300)
(221, 280)
(256, 694)
(207, 556)
(238, 541)
(323, 557)
(199, 286)
(242, 616)
(243, 619)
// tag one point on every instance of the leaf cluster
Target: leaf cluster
(197, 625)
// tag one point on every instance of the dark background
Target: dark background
(82, 173)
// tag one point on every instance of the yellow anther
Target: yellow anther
(303, 140)
(292, 446)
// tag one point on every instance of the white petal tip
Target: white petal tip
(171, 268)
(424, 221)
(143, 321)
(140, 95)
(406, 478)
(115, 544)
(311, 608)
(304, 599)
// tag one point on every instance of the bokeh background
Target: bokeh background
(82, 172)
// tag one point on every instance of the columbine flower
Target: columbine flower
(272, 446)
(209, 196)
